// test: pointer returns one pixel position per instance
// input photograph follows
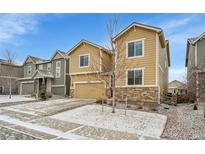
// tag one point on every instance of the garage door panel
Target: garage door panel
(89, 90)
(27, 88)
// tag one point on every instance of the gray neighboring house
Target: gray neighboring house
(195, 63)
(177, 87)
(8, 71)
(53, 73)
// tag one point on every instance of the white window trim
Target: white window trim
(29, 67)
(88, 60)
(133, 69)
(57, 69)
(135, 41)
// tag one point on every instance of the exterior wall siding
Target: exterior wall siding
(148, 62)
(32, 69)
(163, 70)
(201, 53)
(15, 72)
(58, 81)
(201, 87)
(58, 90)
(94, 60)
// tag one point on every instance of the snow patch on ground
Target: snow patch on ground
(137, 122)
(14, 98)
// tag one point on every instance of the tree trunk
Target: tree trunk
(113, 95)
(10, 88)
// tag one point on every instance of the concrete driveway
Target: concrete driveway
(30, 120)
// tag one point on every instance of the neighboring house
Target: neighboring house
(86, 61)
(177, 87)
(7, 72)
(53, 74)
(195, 63)
(146, 54)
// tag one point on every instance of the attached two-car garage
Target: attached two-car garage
(89, 90)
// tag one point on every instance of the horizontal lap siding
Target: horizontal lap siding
(58, 90)
(94, 58)
(201, 52)
(148, 62)
(163, 70)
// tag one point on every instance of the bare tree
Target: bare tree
(10, 58)
(115, 69)
(194, 83)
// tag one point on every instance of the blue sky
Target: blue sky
(41, 34)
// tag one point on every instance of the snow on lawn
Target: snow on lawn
(14, 98)
(137, 122)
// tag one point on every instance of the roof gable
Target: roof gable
(137, 25)
(159, 31)
(29, 60)
(58, 54)
(89, 43)
(42, 74)
(176, 83)
(192, 42)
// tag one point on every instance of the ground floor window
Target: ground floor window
(135, 77)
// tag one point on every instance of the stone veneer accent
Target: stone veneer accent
(201, 86)
(145, 94)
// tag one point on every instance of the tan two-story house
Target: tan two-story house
(146, 58)
(143, 61)
(88, 61)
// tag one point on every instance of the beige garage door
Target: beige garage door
(89, 90)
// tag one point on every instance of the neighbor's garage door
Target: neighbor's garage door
(89, 90)
(27, 88)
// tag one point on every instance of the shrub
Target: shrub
(43, 95)
(49, 94)
(195, 107)
(99, 101)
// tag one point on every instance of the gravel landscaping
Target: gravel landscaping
(135, 122)
(184, 123)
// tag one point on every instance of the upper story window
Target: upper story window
(49, 67)
(135, 77)
(29, 70)
(135, 48)
(84, 60)
(58, 69)
(40, 67)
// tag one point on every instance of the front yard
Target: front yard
(134, 122)
(83, 119)
(15, 98)
(184, 123)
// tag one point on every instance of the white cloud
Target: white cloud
(177, 74)
(15, 25)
